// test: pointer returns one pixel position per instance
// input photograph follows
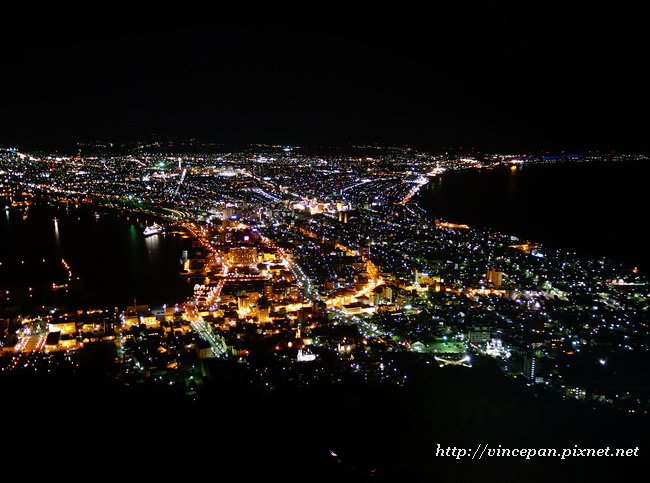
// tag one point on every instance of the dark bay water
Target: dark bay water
(598, 209)
(115, 263)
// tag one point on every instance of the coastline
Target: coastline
(109, 248)
(519, 205)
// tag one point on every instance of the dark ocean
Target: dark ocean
(598, 209)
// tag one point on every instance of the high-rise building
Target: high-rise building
(478, 335)
(530, 364)
(293, 292)
(242, 256)
(268, 291)
(243, 304)
(263, 314)
(495, 277)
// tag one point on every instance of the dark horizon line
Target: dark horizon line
(437, 148)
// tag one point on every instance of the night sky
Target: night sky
(548, 77)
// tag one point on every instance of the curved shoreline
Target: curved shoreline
(78, 292)
(522, 209)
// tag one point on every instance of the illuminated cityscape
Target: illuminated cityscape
(324, 247)
(322, 267)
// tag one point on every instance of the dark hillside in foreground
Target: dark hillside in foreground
(79, 424)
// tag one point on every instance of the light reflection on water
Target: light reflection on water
(57, 235)
(152, 244)
(112, 257)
